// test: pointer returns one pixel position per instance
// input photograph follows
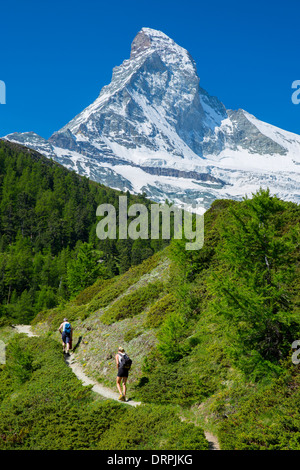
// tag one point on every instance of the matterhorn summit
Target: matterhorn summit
(153, 129)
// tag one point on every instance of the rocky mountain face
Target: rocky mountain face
(153, 129)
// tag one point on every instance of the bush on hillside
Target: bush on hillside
(159, 310)
(133, 303)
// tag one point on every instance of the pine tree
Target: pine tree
(251, 285)
(85, 268)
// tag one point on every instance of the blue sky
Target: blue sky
(57, 55)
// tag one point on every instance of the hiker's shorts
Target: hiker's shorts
(122, 372)
(66, 338)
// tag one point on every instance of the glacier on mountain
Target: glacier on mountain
(153, 129)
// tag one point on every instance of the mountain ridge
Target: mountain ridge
(154, 114)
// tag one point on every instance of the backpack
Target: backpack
(125, 361)
(67, 329)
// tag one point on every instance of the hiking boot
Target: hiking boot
(121, 398)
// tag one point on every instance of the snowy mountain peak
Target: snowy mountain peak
(153, 129)
(141, 43)
(150, 41)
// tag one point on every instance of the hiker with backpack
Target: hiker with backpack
(123, 366)
(66, 335)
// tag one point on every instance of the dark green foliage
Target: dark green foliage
(147, 430)
(199, 373)
(20, 363)
(170, 336)
(246, 279)
(254, 285)
(168, 384)
(85, 268)
(263, 419)
(236, 315)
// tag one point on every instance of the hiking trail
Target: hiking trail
(77, 369)
(105, 391)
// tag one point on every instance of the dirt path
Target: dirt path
(78, 371)
(104, 391)
(212, 440)
(24, 329)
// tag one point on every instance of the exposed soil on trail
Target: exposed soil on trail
(104, 391)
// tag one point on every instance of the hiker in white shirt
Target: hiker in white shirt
(66, 333)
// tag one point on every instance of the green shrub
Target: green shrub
(170, 335)
(265, 419)
(19, 362)
(54, 317)
(90, 292)
(131, 334)
(133, 303)
(158, 311)
(170, 383)
(153, 427)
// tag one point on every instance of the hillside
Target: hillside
(209, 331)
(49, 250)
(43, 406)
(110, 313)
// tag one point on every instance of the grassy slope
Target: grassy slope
(36, 386)
(205, 380)
(96, 340)
(48, 234)
(43, 406)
